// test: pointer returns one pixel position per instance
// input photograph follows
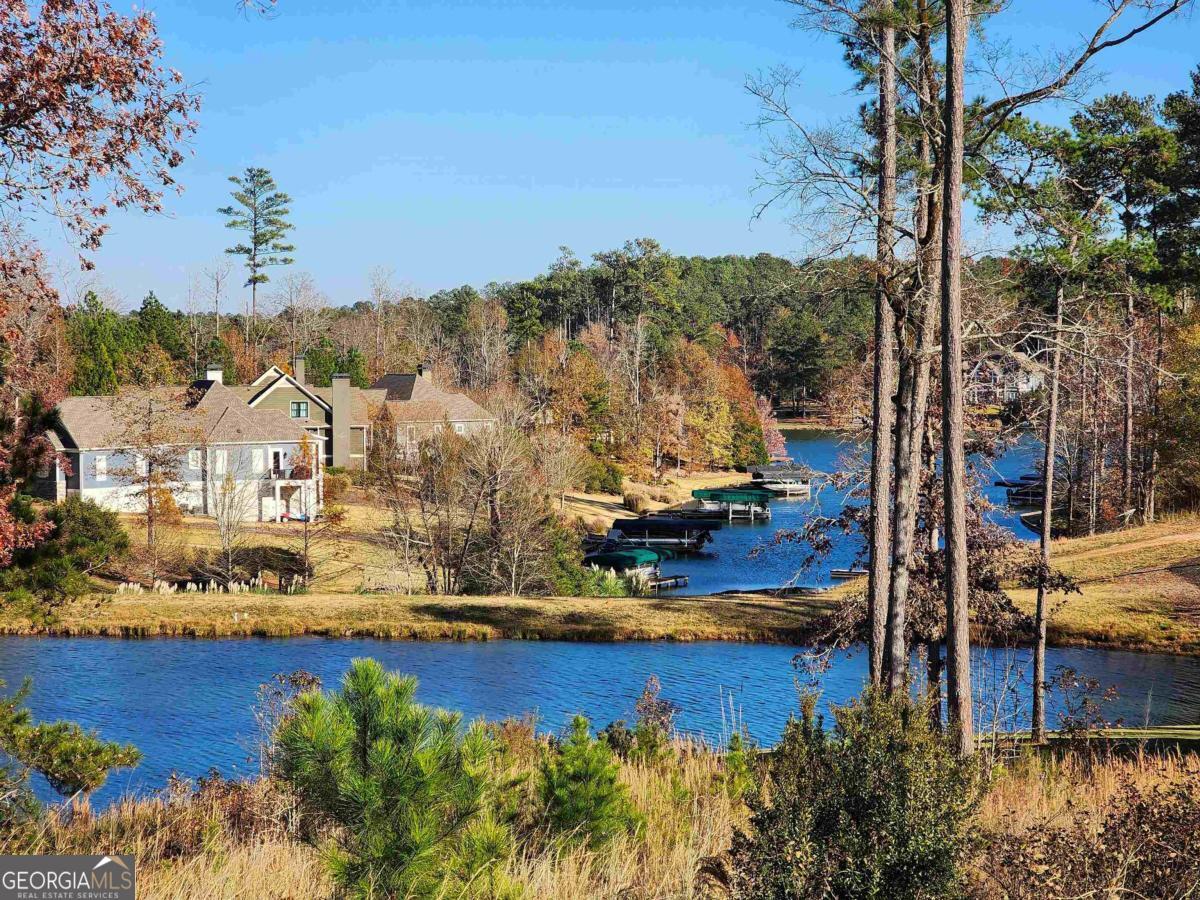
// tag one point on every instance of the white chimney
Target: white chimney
(214, 373)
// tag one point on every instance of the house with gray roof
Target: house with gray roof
(417, 408)
(339, 417)
(225, 445)
(344, 418)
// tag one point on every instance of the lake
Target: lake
(727, 565)
(188, 704)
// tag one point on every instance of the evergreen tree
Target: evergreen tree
(320, 362)
(354, 364)
(406, 785)
(162, 326)
(95, 334)
(580, 790)
(262, 212)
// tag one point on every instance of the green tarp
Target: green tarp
(734, 495)
(623, 560)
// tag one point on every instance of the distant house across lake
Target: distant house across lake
(1000, 378)
(343, 417)
(223, 444)
(417, 408)
(339, 417)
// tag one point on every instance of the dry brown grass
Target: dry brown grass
(1140, 588)
(1039, 791)
(688, 816)
(425, 617)
(242, 841)
(227, 840)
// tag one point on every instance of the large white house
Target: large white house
(273, 463)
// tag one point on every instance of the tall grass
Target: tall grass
(247, 840)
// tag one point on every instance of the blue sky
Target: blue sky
(461, 142)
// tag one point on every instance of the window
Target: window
(102, 468)
(142, 464)
(299, 409)
(439, 428)
(194, 459)
(460, 428)
(220, 457)
(412, 434)
(258, 460)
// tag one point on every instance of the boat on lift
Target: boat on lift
(662, 532)
(782, 478)
(749, 503)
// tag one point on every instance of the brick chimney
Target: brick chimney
(298, 368)
(214, 372)
(340, 401)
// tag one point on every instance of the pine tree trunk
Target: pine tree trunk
(1127, 430)
(913, 396)
(1150, 512)
(954, 475)
(883, 413)
(1039, 622)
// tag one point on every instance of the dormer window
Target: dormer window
(299, 409)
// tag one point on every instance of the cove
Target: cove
(727, 564)
(188, 704)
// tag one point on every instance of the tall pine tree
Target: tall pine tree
(262, 212)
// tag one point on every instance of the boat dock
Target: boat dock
(750, 504)
(668, 582)
(786, 479)
(674, 533)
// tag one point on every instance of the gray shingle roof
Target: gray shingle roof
(208, 410)
(413, 398)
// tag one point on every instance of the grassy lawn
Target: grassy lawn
(1140, 588)
(424, 617)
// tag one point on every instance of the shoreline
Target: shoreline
(746, 617)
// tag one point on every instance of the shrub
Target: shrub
(737, 774)
(637, 502)
(649, 740)
(603, 476)
(1147, 845)
(580, 792)
(86, 538)
(875, 808)
(405, 784)
(335, 485)
(593, 581)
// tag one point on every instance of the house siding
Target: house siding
(196, 486)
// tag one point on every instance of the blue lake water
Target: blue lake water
(188, 704)
(727, 563)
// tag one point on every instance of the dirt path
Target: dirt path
(1186, 537)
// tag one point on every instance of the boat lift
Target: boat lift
(748, 503)
(662, 532)
(783, 478)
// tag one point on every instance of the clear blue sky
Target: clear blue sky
(460, 142)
